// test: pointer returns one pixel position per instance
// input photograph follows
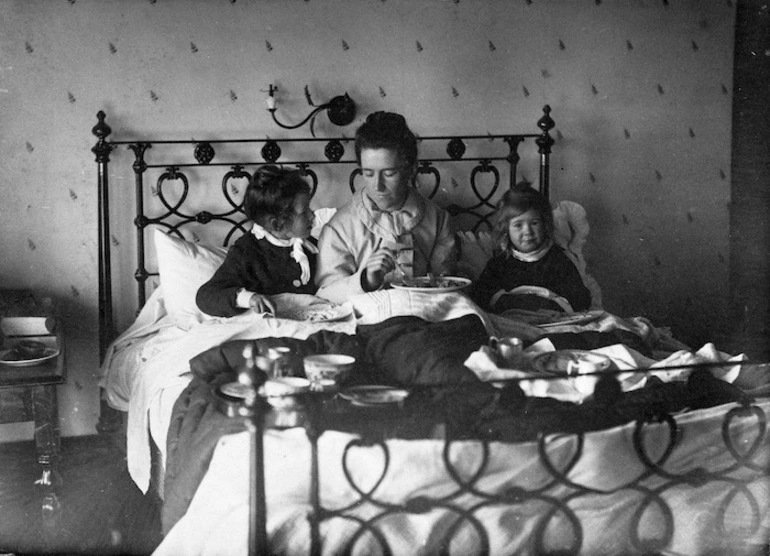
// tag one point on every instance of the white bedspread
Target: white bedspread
(607, 485)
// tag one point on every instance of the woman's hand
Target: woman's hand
(261, 304)
(382, 261)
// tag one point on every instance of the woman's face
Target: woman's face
(301, 223)
(386, 178)
(527, 231)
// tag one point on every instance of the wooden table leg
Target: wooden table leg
(47, 446)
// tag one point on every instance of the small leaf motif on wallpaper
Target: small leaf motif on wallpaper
(419, 46)
(70, 97)
(559, 136)
(525, 91)
(694, 46)
(114, 241)
(30, 148)
(72, 2)
(307, 96)
(594, 90)
(722, 174)
(656, 260)
(455, 93)
(724, 90)
(658, 175)
(665, 3)
(154, 191)
(455, 185)
(690, 217)
(598, 2)
(152, 1)
(268, 46)
(195, 238)
(492, 47)
(233, 189)
(28, 48)
(75, 291)
(153, 96)
(591, 177)
(345, 46)
(31, 245)
(692, 133)
(721, 257)
(626, 133)
(78, 385)
(660, 89)
(193, 48)
(629, 46)
(112, 48)
(233, 96)
(545, 73)
(561, 45)
(625, 219)
(73, 195)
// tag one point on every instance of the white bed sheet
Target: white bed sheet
(612, 476)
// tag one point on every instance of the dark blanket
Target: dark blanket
(427, 357)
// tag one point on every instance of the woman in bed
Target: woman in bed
(388, 230)
(277, 256)
(527, 270)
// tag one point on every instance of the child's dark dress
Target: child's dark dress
(258, 266)
(554, 271)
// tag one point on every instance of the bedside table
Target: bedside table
(32, 384)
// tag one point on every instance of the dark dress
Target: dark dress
(554, 271)
(260, 267)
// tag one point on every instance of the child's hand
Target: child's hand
(261, 304)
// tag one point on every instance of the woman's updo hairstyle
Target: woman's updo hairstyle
(271, 193)
(387, 130)
(515, 202)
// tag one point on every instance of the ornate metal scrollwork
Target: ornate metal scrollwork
(305, 171)
(428, 168)
(139, 149)
(485, 167)
(172, 174)
(455, 148)
(204, 153)
(334, 150)
(271, 151)
(237, 172)
(353, 175)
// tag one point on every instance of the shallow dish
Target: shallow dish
(375, 395)
(571, 362)
(328, 366)
(12, 358)
(320, 312)
(280, 392)
(433, 284)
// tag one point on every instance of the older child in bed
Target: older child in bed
(525, 255)
(276, 256)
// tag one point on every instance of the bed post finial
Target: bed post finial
(545, 142)
(102, 131)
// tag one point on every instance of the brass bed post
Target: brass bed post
(545, 142)
(102, 151)
(140, 221)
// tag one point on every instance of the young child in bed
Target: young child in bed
(525, 255)
(276, 256)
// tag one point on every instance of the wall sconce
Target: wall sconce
(341, 110)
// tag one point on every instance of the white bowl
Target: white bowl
(328, 366)
(280, 392)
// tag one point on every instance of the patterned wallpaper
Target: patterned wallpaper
(641, 92)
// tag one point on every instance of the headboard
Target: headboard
(462, 173)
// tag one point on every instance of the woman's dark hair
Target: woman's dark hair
(515, 202)
(387, 130)
(271, 193)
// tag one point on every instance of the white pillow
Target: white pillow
(185, 266)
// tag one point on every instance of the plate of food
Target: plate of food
(13, 358)
(374, 395)
(318, 312)
(432, 283)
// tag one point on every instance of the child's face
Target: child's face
(527, 231)
(302, 223)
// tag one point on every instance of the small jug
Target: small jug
(508, 351)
